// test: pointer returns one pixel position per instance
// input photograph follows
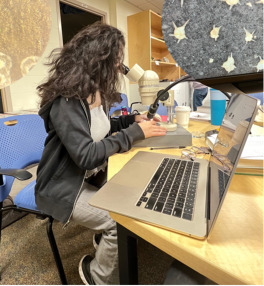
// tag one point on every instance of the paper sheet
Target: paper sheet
(257, 130)
(200, 116)
(254, 148)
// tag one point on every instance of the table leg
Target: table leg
(127, 255)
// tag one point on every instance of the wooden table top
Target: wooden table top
(233, 253)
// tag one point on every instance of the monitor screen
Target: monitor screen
(228, 147)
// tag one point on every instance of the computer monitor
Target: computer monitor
(218, 44)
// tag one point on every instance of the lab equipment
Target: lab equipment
(150, 92)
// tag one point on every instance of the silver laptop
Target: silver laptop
(179, 194)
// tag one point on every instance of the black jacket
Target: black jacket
(70, 151)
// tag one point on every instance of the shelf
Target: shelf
(164, 64)
(155, 21)
(157, 43)
(145, 41)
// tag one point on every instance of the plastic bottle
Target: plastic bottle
(218, 105)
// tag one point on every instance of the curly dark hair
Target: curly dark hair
(90, 62)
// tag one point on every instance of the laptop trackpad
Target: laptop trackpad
(135, 174)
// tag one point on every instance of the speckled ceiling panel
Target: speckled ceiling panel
(25, 27)
(201, 54)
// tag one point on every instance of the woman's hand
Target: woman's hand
(143, 117)
(150, 129)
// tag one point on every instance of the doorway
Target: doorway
(74, 16)
(1, 103)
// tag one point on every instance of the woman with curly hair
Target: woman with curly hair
(82, 85)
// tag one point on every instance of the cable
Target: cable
(183, 79)
(153, 107)
(226, 94)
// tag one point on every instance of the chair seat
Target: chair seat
(26, 197)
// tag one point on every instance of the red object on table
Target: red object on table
(124, 110)
(164, 118)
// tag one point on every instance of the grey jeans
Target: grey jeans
(104, 267)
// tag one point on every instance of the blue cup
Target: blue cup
(218, 105)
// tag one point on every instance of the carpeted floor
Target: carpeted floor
(26, 257)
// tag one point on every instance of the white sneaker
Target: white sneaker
(96, 240)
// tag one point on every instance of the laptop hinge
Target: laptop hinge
(208, 195)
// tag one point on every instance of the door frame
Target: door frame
(6, 92)
(81, 6)
(6, 99)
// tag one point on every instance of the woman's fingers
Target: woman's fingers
(156, 119)
(150, 128)
(159, 128)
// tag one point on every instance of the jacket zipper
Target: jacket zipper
(108, 115)
(68, 221)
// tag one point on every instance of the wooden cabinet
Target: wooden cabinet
(145, 41)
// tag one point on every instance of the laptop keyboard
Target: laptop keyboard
(222, 182)
(172, 189)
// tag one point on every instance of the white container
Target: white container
(183, 115)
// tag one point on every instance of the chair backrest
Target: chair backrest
(162, 110)
(21, 145)
(118, 106)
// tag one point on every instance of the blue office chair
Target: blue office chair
(118, 106)
(21, 145)
(162, 110)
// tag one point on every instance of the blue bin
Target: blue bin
(218, 105)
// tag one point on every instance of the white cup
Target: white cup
(183, 115)
(240, 131)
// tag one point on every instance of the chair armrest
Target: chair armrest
(19, 174)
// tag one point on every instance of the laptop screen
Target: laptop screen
(227, 149)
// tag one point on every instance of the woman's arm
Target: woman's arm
(121, 122)
(71, 125)
(124, 121)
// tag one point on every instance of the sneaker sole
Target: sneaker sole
(95, 245)
(81, 272)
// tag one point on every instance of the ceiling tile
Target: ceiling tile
(137, 2)
(149, 6)
(157, 3)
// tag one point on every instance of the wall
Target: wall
(123, 10)
(23, 92)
